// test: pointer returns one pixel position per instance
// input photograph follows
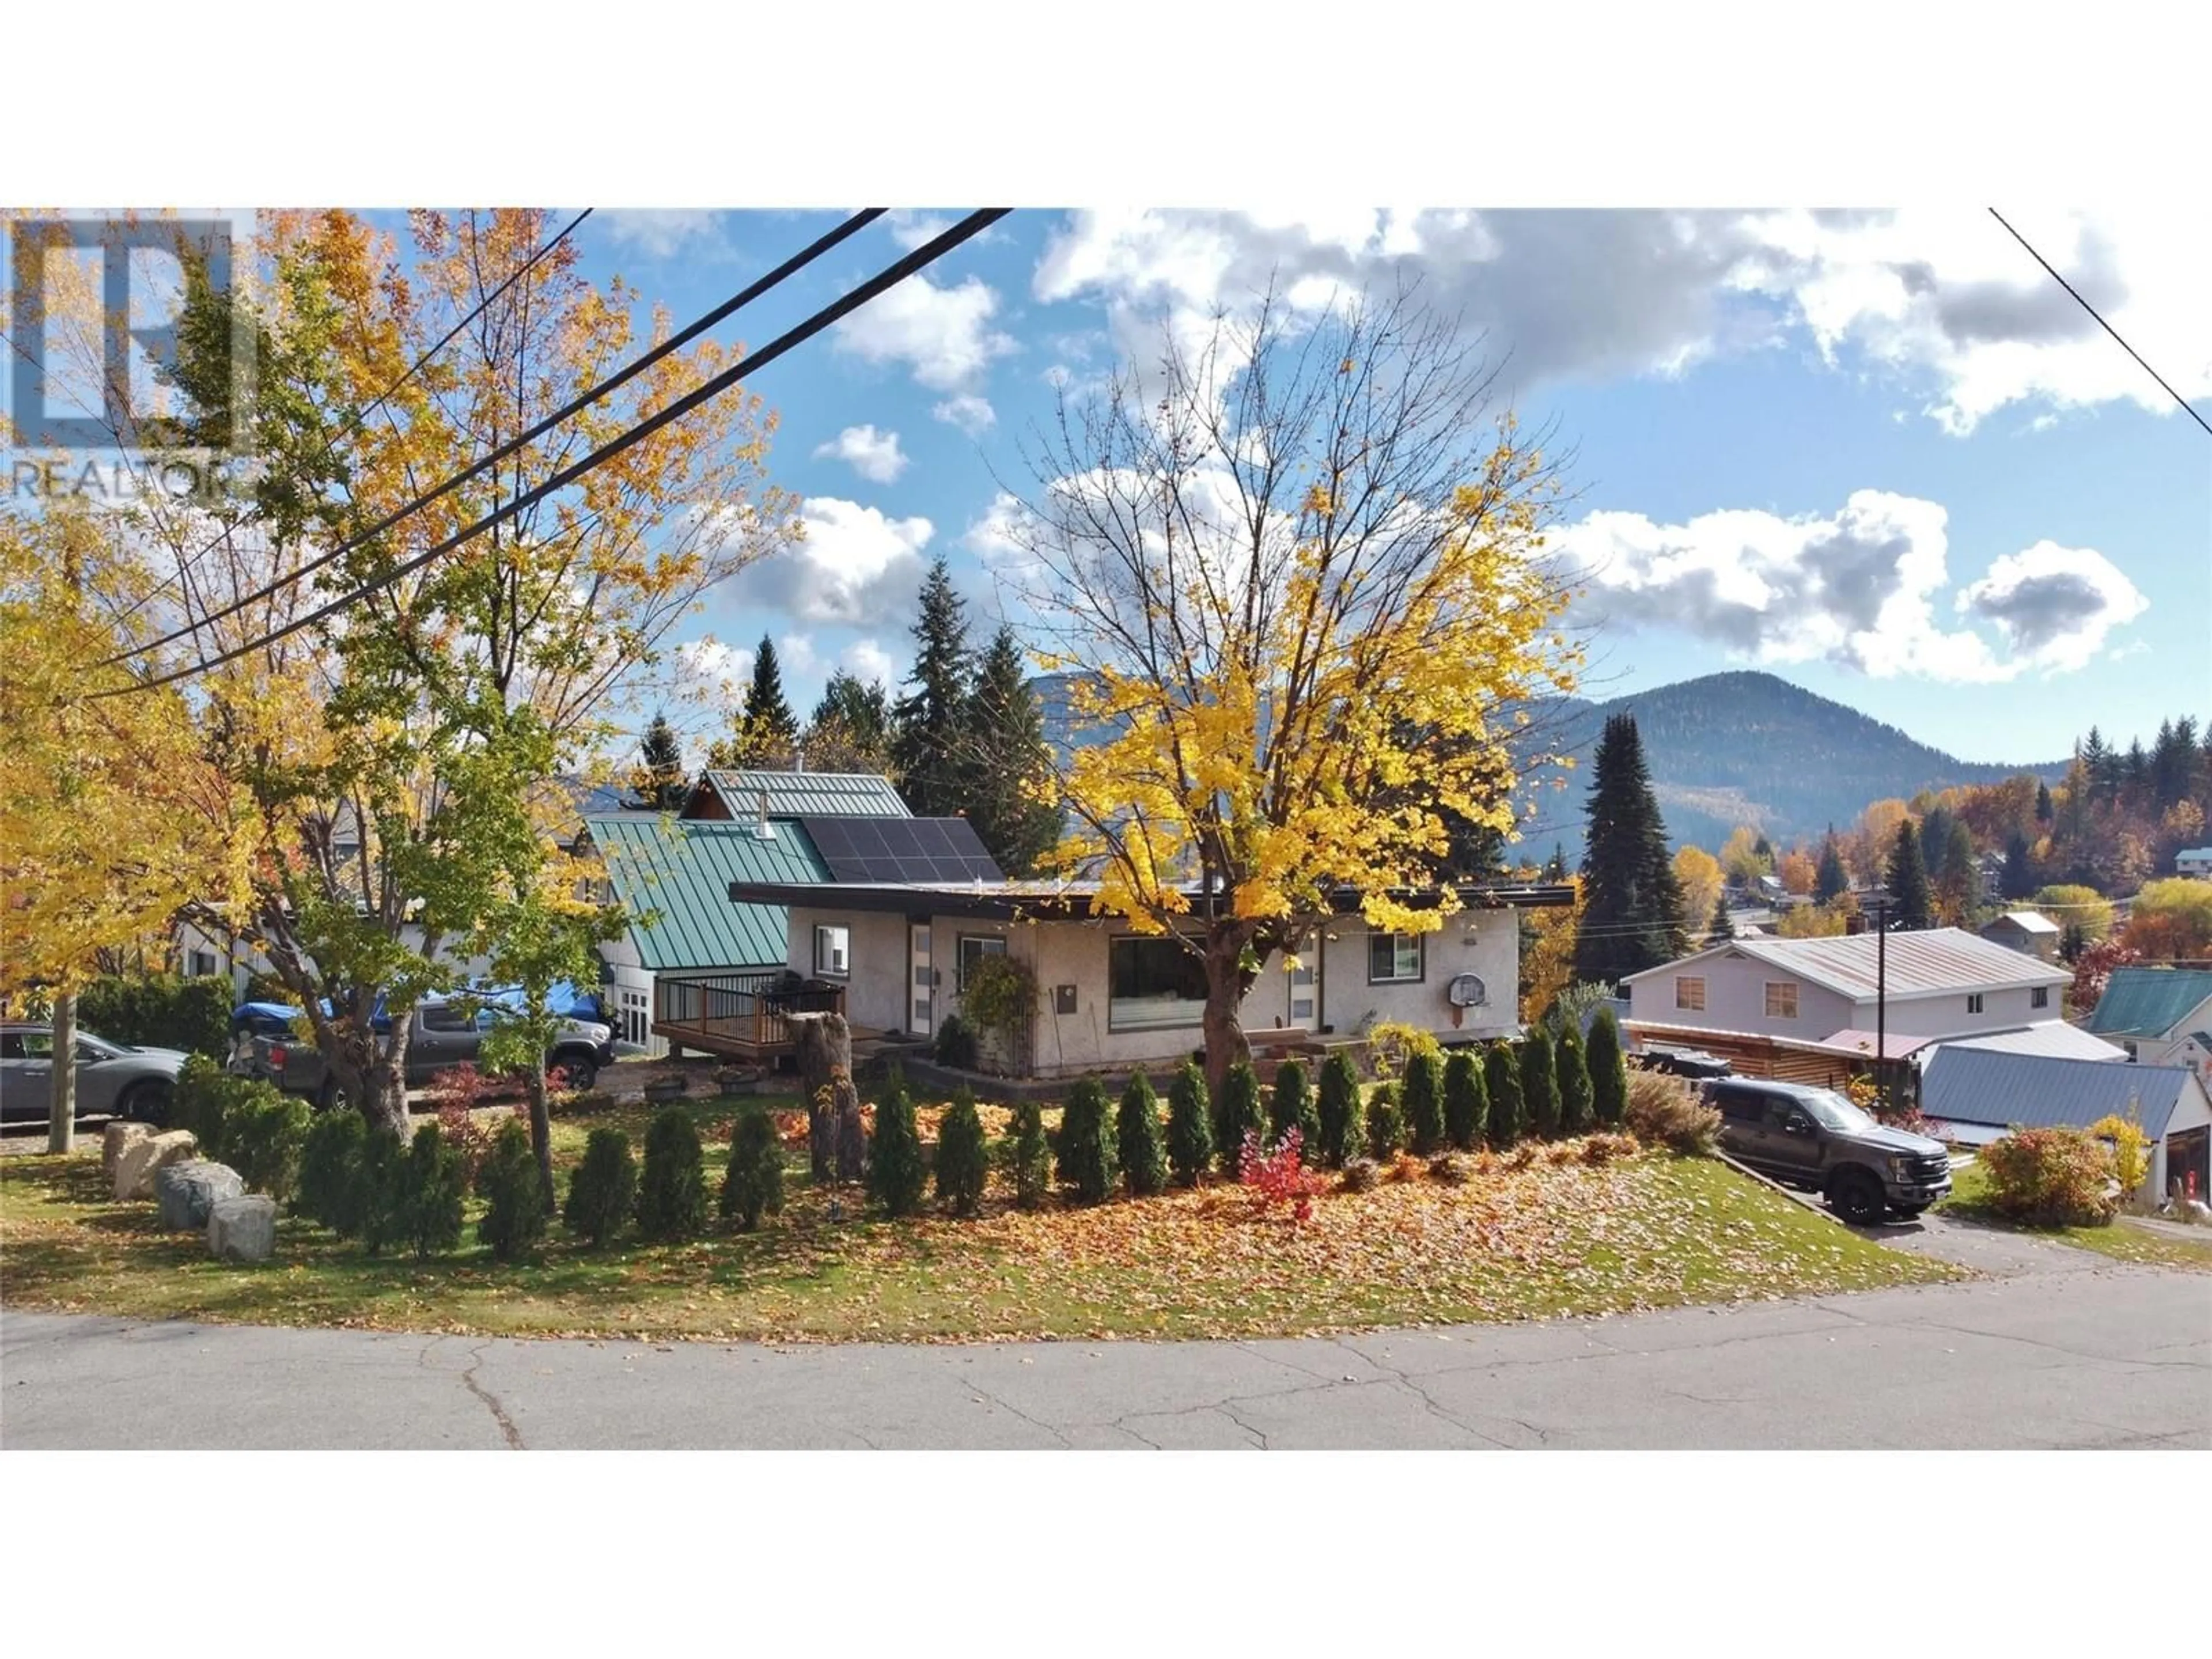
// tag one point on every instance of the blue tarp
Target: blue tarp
(562, 999)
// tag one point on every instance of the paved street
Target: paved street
(2063, 1349)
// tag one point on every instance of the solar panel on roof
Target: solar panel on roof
(911, 850)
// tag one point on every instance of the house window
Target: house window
(2039, 997)
(1782, 999)
(974, 947)
(1690, 992)
(1393, 957)
(833, 951)
(1974, 1003)
(199, 964)
(1153, 984)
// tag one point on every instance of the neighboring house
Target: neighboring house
(2160, 1016)
(2026, 931)
(2193, 861)
(1805, 1009)
(1110, 998)
(1976, 1097)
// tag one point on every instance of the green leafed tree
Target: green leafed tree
(1292, 1105)
(963, 1155)
(1540, 1085)
(897, 1175)
(1236, 1114)
(1608, 1071)
(1086, 1142)
(1138, 1140)
(752, 1184)
(1423, 1096)
(1466, 1102)
(1190, 1125)
(1577, 1097)
(1343, 1128)
(1632, 915)
(1501, 1076)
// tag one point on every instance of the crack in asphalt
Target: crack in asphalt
(1034, 1422)
(490, 1399)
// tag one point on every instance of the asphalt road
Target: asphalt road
(2057, 1348)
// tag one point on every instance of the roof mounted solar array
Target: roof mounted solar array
(919, 850)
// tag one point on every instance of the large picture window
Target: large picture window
(833, 951)
(974, 947)
(1153, 984)
(1393, 957)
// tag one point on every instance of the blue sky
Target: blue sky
(1881, 455)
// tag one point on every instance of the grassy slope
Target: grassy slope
(1544, 1239)
(1970, 1199)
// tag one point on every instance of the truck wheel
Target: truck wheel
(147, 1103)
(332, 1098)
(580, 1074)
(1859, 1200)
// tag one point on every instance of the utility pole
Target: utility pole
(1876, 904)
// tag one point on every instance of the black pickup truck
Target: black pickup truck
(440, 1033)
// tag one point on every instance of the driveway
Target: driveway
(2067, 1350)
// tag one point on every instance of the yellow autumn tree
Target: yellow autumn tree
(1547, 955)
(1296, 572)
(1799, 873)
(1740, 861)
(1699, 873)
(109, 812)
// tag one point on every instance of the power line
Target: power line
(583, 400)
(2102, 324)
(329, 445)
(890, 277)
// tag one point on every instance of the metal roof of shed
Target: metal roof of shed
(2037, 1091)
(1935, 962)
(801, 795)
(679, 872)
(2148, 1001)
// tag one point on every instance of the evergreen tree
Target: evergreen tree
(1912, 905)
(2042, 803)
(603, 1189)
(430, 1187)
(1005, 764)
(1343, 1127)
(927, 725)
(2017, 879)
(1466, 1103)
(1763, 850)
(1577, 1097)
(1720, 930)
(897, 1175)
(1632, 902)
(1423, 1094)
(1958, 879)
(672, 1193)
(1608, 1071)
(963, 1158)
(1029, 1155)
(515, 1208)
(1832, 882)
(1501, 1077)
(1236, 1114)
(752, 1184)
(767, 735)
(1141, 1147)
(1539, 1087)
(1557, 869)
(1386, 1124)
(660, 781)
(1291, 1106)
(850, 729)
(1086, 1142)
(1190, 1125)
(1935, 838)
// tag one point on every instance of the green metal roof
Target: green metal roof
(827, 794)
(679, 871)
(2148, 1001)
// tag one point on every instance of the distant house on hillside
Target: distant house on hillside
(2194, 862)
(2026, 931)
(1804, 1009)
(2160, 1016)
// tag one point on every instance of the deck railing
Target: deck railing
(747, 1014)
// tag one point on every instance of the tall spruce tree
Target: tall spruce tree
(1720, 929)
(850, 729)
(767, 734)
(1632, 902)
(929, 722)
(1911, 904)
(1005, 764)
(2017, 880)
(1832, 881)
(659, 781)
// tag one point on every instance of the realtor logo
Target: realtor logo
(136, 277)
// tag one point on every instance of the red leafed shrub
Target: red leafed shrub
(1277, 1174)
(459, 1091)
(2057, 1178)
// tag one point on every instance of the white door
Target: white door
(923, 978)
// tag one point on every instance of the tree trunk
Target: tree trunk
(540, 1128)
(61, 1116)
(825, 1056)
(1226, 982)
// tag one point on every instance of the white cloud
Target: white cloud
(995, 538)
(875, 456)
(944, 335)
(853, 565)
(869, 661)
(721, 666)
(910, 228)
(1858, 588)
(971, 414)
(1944, 300)
(660, 234)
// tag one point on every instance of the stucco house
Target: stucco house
(1976, 1097)
(1805, 1009)
(2193, 861)
(1110, 998)
(2026, 931)
(2160, 1016)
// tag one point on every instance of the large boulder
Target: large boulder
(138, 1164)
(119, 1139)
(189, 1191)
(242, 1228)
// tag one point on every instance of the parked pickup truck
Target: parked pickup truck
(1817, 1141)
(440, 1033)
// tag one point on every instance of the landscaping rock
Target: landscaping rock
(189, 1191)
(242, 1228)
(136, 1166)
(119, 1139)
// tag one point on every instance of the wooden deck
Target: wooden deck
(744, 1015)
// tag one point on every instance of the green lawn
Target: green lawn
(2121, 1240)
(1551, 1237)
